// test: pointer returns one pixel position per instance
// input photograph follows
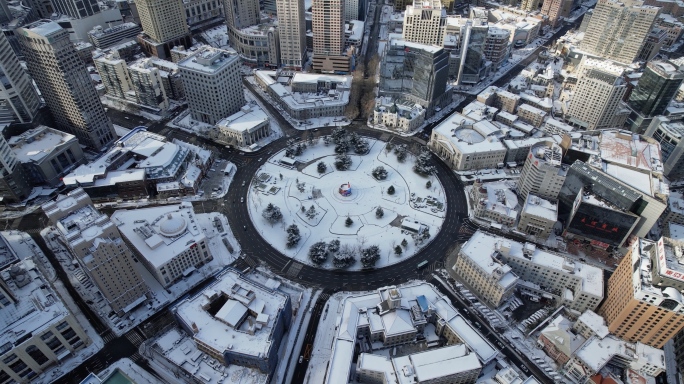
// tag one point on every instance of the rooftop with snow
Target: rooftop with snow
(469, 136)
(37, 143)
(536, 206)
(248, 118)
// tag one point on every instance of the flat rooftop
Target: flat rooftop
(248, 118)
(37, 143)
(536, 206)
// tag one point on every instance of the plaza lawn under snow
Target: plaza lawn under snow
(292, 187)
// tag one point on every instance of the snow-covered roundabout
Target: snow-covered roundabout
(367, 208)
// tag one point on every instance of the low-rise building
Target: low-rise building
(674, 213)
(306, 96)
(495, 202)
(147, 83)
(559, 341)
(37, 329)
(555, 127)
(531, 115)
(402, 115)
(243, 128)
(250, 318)
(466, 145)
(543, 174)
(46, 154)
(167, 239)
(107, 37)
(538, 216)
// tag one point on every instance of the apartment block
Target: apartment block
(425, 22)
(543, 174)
(538, 216)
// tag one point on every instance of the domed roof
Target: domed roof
(172, 225)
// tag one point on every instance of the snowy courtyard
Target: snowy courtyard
(376, 212)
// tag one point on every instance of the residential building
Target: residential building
(171, 78)
(326, 95)
(467, 145)
(244, 128)
(597, 99)
(656, 88)
(328, 37)
(148, 85)
(556, 127)
(531, 115)
(64, 83)
(164, 26)
(492, 280)
(556, 10)
(495, 202)
(291, 30)
(576, 285)
(395, 315)
(19, 101)
(497, 46)
(506, 101)
(416, 72)
(400, 114)
(38, 330)
(166, 239)
(529, 5)
(669, 135)
(424, 22)
(97, 245)
(590, 324)
(543, 174)
(114, 74)
(14, 183)
(46, 154)
(106, 37)
(643, 303)
(213, 84)
(618, 29)
(354, 10)
(457, 365)
(538, 216)
(252, 317)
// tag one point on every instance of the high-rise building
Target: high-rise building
(643, 301)
(77, 9)
(241, 13)
(14, 185)
(425, 22)
(542, 174)
(328, 36)
(465, 41)
(97, 245)
(596, 102)
(148, 84)
(256, 40)
(213, 84)
(497, 46)
(164, 26)
(65, 84)
(669, 135)
(618, 29)
(555, 9)
(107, 37)
(529, 5)
(114, 73)
(292, 33)
(657, 86)
(19, 101)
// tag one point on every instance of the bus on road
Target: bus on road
(422, 264)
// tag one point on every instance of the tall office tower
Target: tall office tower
(656, 88)
(497, 46)
(424, 22)
(213, 84)
(14, 185)
(114, 73)
(464, 39)
(148, 84)
(328, 36)
(65, 84)
(5, 13)
(670, 136)
(292, 33)
(163, 21)
(242, 13)
(351, 10)
(644, 302)
(78, 9)
(97, 245)
(597, 103)
(43, 8)
(555, 9)
(618, 29)
(19, 101)
(542, 175)
(529, 5)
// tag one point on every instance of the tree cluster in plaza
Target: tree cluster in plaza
(422, 235)
(390, 190)
(272, 214)
(343, 162)
(311, 213)
(423, 164)
(318, 253)
(370, 256)
(400, 151)
(293, 235)
(379, 213)
(348, 222)
(379, 172)
(321, 167)
(294, 148)
(344, 257)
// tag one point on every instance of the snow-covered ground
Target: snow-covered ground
(217, 37)
(332, 209)
(160, 296)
